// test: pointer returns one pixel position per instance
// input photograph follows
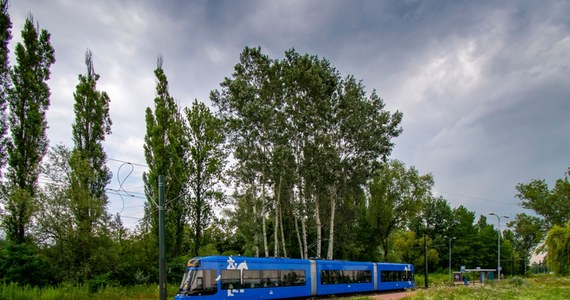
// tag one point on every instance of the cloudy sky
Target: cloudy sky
(484, 86)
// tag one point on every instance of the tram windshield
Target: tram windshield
(198, 282)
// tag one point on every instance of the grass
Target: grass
(141, 292)
(538, 287)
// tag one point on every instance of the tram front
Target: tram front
(197, 281)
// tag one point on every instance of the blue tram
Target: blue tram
(237, 277)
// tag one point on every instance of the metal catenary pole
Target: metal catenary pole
(161, 247)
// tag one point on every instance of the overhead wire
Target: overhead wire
(474, 197)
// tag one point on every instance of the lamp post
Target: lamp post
(450, 238)
(426, 261)
(425, 254)
(498, 244)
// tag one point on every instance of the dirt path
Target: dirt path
(396, 295)
(383, 296)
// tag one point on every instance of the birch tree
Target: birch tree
(335, 135)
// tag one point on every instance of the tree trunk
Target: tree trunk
(331, 233)
(198, 236)
(264, 229)
(255, 222)
(319, 226)
(304, 228)
(299, 237)
(282, 233)
(276, 225)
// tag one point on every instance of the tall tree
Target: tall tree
(464, 229)
(247, 106)
(28, 100)
(528, 232)
(92, 124)
(397, 195)
(5, 36)
(89, 172)
(552, 204)
(335, 134)
(165, 153)
(205, 166)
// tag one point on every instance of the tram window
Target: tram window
(270, 278)
(230, 279)
(363, 276)
(292, 277)
(391, 276)
(345, 276)
(298, 277)
(252, 278)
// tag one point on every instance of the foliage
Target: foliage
(397, 195)
(551, 204)
(89, 176)
(165, 153)
(5, 36)
(206, 161)
(306, 140)
(28, 100)
(528, 232)
(23, 264)
(558, 247)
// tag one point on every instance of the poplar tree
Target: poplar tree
(165, 150)
(5, 36)
(89, 172)
(28, 101)
(205, 166)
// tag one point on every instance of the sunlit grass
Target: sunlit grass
(539, 287)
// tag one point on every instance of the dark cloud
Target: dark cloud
(482, 84)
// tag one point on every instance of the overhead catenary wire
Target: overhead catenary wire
(127, 162)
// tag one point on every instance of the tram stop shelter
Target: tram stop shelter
(470, 275)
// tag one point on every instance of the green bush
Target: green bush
(516, 281)
(23, 264)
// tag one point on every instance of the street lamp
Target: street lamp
(425, 254)
(498, 244)
(450, 238)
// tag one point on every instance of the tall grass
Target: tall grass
(434, 280)
(139, 292)
(539, 287)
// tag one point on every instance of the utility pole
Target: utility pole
(426, 260)
(450, 238)
(498, 244)
(161, 247)
(425, 253)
